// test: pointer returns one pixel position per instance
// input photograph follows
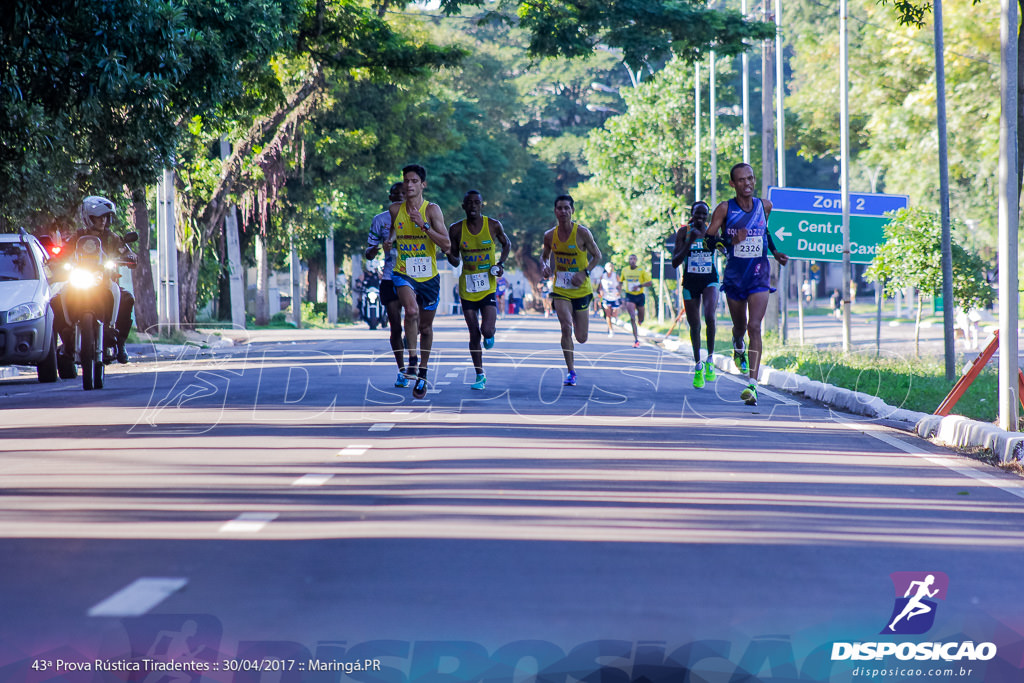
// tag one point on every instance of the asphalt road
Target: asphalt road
(279, 507)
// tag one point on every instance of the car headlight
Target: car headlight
(23, 312)
(83, 279)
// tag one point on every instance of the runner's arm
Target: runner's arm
(779, 256)
(393, 211)
(373, 241)
(506, 243)
(454, 238)
(683, 243)
(434, 228)
(593, 252)
(547, 267)
(717, 219)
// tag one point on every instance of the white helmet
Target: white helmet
(94, 208)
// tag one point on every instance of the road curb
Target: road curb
(953, 430)
(962, 432)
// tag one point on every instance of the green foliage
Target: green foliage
(911, 256)
(643, 161)
(644, 30)
(94, 92)
(892, 103)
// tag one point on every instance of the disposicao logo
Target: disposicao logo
(913, 613)
(916, 593)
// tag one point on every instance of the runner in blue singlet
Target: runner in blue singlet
(746, 281)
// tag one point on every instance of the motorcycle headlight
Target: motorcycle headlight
(372, 298)
(110, 265)
(23, 312)
(83, 279)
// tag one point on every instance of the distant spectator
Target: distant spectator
(837, 303)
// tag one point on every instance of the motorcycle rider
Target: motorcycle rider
(96, 215)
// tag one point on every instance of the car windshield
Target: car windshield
(16, 262)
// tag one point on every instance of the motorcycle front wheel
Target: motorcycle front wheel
(87, 349)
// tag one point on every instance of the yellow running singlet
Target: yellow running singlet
(569, 260)
(417, 256)
(477, 251)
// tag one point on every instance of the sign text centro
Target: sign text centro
(808, 224)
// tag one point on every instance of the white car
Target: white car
(26, 319)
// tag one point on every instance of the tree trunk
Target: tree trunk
(531, 267)
(146, 318)
(188, 287)
(917, 326)
(315, 276)
(209, 219)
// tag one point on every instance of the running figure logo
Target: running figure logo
(914, 610)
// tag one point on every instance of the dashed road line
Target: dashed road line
(249, 522)
(382, 426)
(355, 449)
(138, 597)
(312, 480)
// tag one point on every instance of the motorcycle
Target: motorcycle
(89, 297)
(371, 308)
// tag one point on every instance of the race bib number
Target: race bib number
(563, 280)
(752, 247)
(633, 286)
(700, 263)
(418, 266)
(477, 282)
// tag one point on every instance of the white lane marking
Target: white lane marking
(941, 460)
(312, 480)
(401, 411)
(433, 391)
(383, 426)
(355, 449)
(762, 390)
(138, 597)
(452, 374)
(249, 522)
(441, 384)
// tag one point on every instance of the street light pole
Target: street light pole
(1009, 220)
(947, 247)
(746, 96)
(844, 165)
(713, 142)
(696, 117)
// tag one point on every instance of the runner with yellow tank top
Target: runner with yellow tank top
(569, 253)
(473, 244)
(635, 279)
(417, 231)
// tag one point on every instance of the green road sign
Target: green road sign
(808, 224)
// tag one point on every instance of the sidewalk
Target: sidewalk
(897, 340)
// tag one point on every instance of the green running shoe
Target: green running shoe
(740, 358)
(709, 371)
(749, 395)
(479, 384)
(698, 377)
